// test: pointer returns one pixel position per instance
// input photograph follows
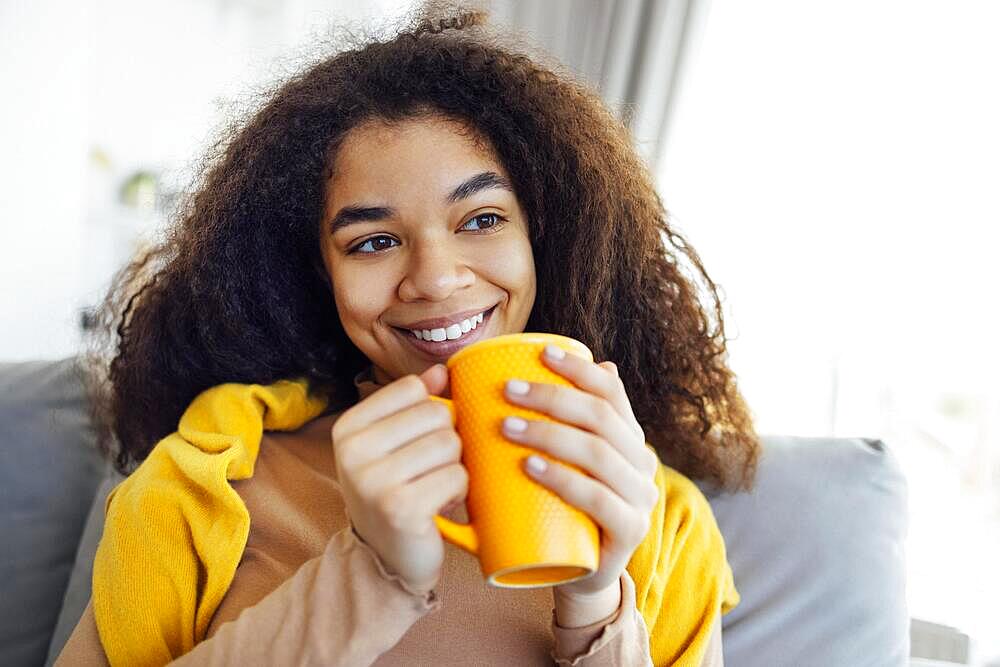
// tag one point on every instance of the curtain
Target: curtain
(634, 52)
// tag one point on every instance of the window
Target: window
(835, 165)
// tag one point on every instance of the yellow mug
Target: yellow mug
(524, 535)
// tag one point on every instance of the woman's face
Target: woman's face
(423, 233)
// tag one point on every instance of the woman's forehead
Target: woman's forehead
(430, 130)
(426, 156)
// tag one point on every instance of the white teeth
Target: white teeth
(450, 333)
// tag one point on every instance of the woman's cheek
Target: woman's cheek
(360, 300)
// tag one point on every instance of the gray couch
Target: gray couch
(816, 548)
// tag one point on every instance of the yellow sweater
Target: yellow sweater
(175, 532)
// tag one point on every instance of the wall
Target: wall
(95, 90)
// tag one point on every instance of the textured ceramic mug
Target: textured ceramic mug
(523, 534)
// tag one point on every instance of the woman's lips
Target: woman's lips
(441, 351)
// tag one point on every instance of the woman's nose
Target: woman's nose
(435, 270)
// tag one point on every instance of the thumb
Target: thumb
(435, 379)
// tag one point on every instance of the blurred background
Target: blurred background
(834, 163)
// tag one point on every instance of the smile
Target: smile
(440, 343)
(453, 332)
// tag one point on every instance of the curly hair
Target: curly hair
(234, 291)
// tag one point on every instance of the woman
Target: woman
(276, 352)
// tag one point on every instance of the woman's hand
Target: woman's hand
(398, 463)
(598, 433)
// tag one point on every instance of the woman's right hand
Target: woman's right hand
(398, 463)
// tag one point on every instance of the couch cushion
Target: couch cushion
(49, 471)
(817, 553)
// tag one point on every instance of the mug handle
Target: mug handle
(460, 534)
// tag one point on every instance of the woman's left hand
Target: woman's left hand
(598, 433)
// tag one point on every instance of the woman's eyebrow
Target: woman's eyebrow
(349, 215)
(479, 182)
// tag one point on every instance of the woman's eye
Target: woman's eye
(374, 244)
(479, 220)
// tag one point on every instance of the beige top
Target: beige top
(308, 591)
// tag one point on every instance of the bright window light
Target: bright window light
(836, 166)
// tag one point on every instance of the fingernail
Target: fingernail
(536, 465)
(554, 352)
(515, 424)
(519, 387)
